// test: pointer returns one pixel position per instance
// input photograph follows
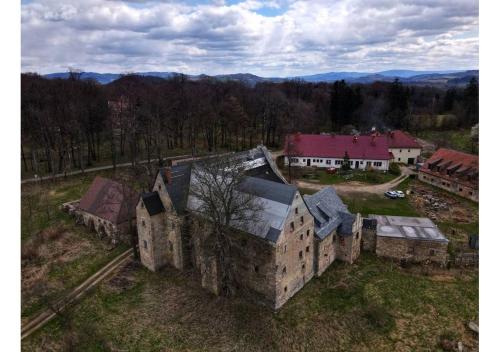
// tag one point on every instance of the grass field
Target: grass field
(56, 254)
(372, 305)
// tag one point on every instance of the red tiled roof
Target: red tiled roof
(105, 199)
(400, 139)
(453, 165)
(335, 146)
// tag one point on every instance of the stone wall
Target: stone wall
(324, 253)
(369, 239)
(412, 250)
(294, 252)
(450, 186)
(159, 238)
(348, 247)
(104, 228)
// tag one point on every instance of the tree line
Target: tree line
(74, 123)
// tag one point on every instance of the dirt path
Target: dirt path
(353, 187)
(44, 317)
(94, 169)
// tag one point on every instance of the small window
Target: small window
(470, 193)
(400, 150)
(399, 159)
(285, 289)
(145, 244)
(143, 222)
(296, 210)
(307, 233)
(292, 226)
(460, 189)
(284, 270)
(300, 255)
(284, 249)
(301, 220)
(408, 150)
(256, 268)
(357, 235)
(301, 237)
(307, 249)
(159, 187)
(328, 162)
(304, 266)
(304, 160)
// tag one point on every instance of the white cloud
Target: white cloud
(218, 37)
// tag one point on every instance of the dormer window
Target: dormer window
(159, 187)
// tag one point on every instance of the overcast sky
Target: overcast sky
(267, 38)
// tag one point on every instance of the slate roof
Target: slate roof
(336, 146)
(329, 213)
(153, 203)
(400, 139)
(178, 188)
(109, 200)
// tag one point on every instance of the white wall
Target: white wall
(337, 163)
(401, 155)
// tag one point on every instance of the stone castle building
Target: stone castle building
(271, 261)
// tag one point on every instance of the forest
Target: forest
(72, 124)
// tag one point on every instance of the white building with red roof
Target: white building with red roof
(403, 147)
(329, 150)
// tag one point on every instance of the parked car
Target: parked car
(391, 195)
(400, 194)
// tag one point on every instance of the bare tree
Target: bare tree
(220, 199)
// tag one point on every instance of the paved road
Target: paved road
(98, 168)
(44, 317)
(358, 187)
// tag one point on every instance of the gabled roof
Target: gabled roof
(178, 188)
(336, 146)
(400, 139)
(109, 200)
(329, 213)
(266, 189)
(153, 203)
(453, 165)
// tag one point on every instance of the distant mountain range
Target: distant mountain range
(433, 78)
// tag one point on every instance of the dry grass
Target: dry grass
(372, 305)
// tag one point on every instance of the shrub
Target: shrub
(394, 169)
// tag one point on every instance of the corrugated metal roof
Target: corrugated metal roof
(408, 227)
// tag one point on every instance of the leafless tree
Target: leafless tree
(217, 193)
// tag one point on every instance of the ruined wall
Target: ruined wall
(252, 263)
(159, 238)
(369, 239)
(450, 186)
(324, 253)
(412, 250)
(348, 248)
(104, 228)
(295, 252)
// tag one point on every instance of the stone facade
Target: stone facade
(324, 253)
(348, 247)
(294, 252)
(412, 250)
(462, 189)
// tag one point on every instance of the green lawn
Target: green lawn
(372, 305)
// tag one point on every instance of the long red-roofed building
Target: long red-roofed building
(453, 171)
(329, 150)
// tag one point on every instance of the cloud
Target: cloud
(269, 38)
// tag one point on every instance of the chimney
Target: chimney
(391, 133)
(354, 139)
(373, 140)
